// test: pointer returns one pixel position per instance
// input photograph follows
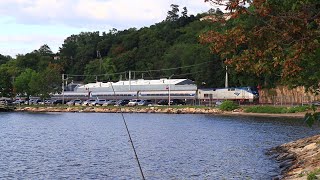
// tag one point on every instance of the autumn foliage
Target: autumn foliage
(279, 38)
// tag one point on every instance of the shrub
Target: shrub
(276, 110)
(228, 106)
(312, 176)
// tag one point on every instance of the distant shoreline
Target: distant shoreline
(155, 109)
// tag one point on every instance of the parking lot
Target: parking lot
(100, 102)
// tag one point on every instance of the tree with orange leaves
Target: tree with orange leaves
(271, 38)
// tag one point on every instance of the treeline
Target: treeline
(170, 48)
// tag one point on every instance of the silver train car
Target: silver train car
(155, 95)
(134, 89)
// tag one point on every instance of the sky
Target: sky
(28, 24)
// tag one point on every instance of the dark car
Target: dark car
(18, 101)
(144, 103)
(57, 101)
(122, 102)
(316, 103)
(163, 102)
(177, 102)
(35, 101)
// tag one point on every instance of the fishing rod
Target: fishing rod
(130, 139)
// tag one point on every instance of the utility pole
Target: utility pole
(62, 88)
(100, 61)
(226, 82)
(129, 80)
(169, 88)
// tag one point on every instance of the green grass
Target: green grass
(276, 110)
(313, 174)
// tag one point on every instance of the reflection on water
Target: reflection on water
(95, 146)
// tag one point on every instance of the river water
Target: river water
(96, 146)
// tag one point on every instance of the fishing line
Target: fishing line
(128, 132)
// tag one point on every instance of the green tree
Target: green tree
(184, 13)
(173, 15)
(6, 88)
(45, 50)
(47, 82)
(4, 59)
(107, 70)
(21, 83)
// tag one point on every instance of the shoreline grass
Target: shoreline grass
(276, 110)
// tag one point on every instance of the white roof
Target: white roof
(135, 82)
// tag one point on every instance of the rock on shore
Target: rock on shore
(299, 158)
(167, 110)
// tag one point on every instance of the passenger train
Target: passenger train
(156, 90)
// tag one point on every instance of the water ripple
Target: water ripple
(95, 146)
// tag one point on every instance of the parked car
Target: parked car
(35, 101)
(122, 102)
(134, 102)
(163, 102)
(145, 102)
(98, 102)
(57, 101)
(46, 101)
(218, 103)
(74, 102)
(316, 103)
(18, 102)
(110, 103)
(177, 102)
(88, 102)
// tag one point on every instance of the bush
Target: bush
(312, 176)
(276, 110)
(228, 106)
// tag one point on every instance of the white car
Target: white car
(110, 102)
(134, 102)
(88, 102)
(98, 102)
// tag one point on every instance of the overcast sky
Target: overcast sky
(28, 24)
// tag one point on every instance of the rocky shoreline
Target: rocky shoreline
(154, 109)
(298, 159)
(90, 109)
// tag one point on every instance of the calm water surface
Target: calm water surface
(96, 146)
